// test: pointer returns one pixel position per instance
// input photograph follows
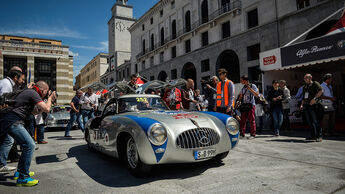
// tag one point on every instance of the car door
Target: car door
(106, 136)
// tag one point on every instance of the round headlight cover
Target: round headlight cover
(232, 126)
(157, 134)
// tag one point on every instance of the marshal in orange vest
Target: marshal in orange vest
(226, 94)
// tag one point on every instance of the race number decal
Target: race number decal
(141, 99)
(185, 116)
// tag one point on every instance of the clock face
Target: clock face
(120, 26)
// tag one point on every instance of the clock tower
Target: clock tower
(118, 35)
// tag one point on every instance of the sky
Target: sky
(79, 24)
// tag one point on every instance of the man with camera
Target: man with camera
(12, 125)
(247, 107)
(211, 92)
(312, 91)
(89, 103)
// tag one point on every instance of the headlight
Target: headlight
(157, 134)
(232, 126)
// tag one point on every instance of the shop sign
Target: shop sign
(314, 50)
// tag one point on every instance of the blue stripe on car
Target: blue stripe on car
(224, 118)
(145, 124)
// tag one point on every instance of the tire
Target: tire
(87, 139)
(136, 167)
(220, 157)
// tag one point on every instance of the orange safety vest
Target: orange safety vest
(226, 94)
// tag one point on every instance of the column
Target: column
(64, 88)
(30, 65)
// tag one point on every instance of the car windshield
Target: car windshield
(61, 109)
(134, 104)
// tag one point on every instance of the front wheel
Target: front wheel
(135, 165)
(88, 141)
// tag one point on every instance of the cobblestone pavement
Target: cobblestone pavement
(266, 164)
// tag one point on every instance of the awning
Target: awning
(315, 51)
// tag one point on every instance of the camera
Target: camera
(4, 100)
(205, 82)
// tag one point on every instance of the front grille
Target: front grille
(62, 121)
(197, 138)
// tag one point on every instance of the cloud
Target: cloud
(73, 54)
(103, 46)
(45, 31)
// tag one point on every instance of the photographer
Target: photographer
(247, 107)
(275, 97)
(89, 103)
(13, 125)
(211, 92)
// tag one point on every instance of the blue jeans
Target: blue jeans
(40, 133)
(277, 114)
(6, 143)
(313, 120)
(73, 117)
(87, 114)
(23, 138)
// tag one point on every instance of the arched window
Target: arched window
(187, 21)
(173, 28)
(144, 47)
(204, 11)
(152, 42)
(225, 6)
(162, 36)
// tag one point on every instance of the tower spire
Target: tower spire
(122, 2)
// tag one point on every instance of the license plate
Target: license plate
(201, 154)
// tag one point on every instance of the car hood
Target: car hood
(173, 117)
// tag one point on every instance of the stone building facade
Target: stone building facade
(40, 59)
(193, 39)
(92, 72)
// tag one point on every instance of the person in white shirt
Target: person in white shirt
(7, 84)
(89, 103)
(328, 120)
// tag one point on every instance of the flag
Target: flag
(339, 26)
(29, 79)
(98, 93)
(139, 81)
(104, 91)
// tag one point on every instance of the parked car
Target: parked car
(58, 117)
(142, 131)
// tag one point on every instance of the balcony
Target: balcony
(225, 9)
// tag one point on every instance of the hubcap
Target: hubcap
(132, 153)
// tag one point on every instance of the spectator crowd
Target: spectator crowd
(25, 106)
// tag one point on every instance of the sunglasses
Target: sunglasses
(221, 74)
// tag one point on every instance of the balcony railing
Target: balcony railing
(227, 8)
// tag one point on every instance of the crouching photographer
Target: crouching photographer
(12, 125)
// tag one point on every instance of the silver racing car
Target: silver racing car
(142, 131)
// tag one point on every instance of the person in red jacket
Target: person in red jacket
(172, 97)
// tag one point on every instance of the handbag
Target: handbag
(327, 106)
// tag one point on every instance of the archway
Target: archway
(228, 60)
(189, 72)
(321, 30)
(162, 76)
